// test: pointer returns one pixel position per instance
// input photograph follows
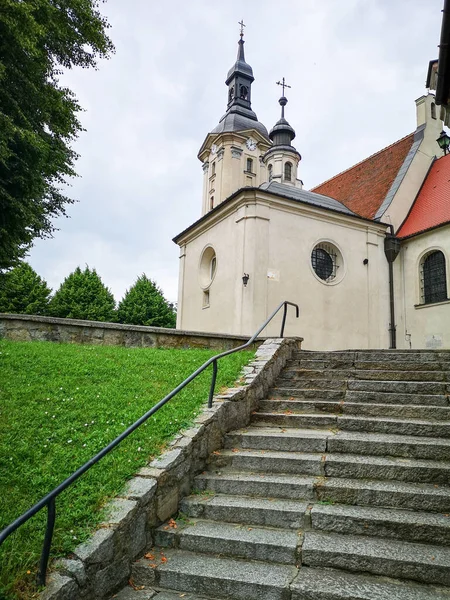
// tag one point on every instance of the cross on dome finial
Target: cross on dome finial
(283, 99)
(242, 24)
(283, 84)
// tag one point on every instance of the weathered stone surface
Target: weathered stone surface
(129, 593)
(110, 578)
(421, 562)
(331, 584)
(60, 587)
(73, 568)
(140, 489)
(120, 511)
(222, 578)
(98, 549)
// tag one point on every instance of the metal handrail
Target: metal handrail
(49, 499)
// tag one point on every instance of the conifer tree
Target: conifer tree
(144, 304)
(83, 295)
(22, 291)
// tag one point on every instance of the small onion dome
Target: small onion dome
(282, 133)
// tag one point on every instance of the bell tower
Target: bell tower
(282, 158)
(231, 154)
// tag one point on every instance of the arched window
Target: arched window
(433, 278)
(249, 165)
(433, 110)
(270, 169)
(211, 203)
(288, 171)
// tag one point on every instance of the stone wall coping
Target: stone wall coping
(99, 567)
(123, 327)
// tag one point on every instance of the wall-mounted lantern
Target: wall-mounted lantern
(444, 142)
(245, 279)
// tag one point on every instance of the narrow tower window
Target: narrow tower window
(213, 169)
(211, 203)
(270, 169)
(244, 92)
(433, 110)
(249, 165)
(288, 171)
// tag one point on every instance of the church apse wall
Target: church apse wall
(273, 242)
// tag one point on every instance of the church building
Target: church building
(365, 255)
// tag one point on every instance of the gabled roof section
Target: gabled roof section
(431, 208)
(304, 196)
(364, 187)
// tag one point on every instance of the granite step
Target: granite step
(313, 420)
(332, 465)
(385, 444)
(275, 438)
(280, 391)
(273, 512)
(340, 490)
(413, 411)
(415, 427)
(400, 387)
(333, 584)
(396, 494)
(426, 563)
(233, 540)
(270, 461)
(385, 468)
(394, 398)
(345, 442)
(217, 577)
(431, 528)
(173, 595)
(305, 383)
(302, 372)
(285, 486)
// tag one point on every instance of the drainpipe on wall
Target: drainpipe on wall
(391, 250)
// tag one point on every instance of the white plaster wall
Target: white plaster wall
(272, 242)
(418, 323)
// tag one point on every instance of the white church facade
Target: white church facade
(365, 255)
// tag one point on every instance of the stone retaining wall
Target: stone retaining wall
(26, 328)
(102, 565)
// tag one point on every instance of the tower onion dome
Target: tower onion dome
(239, 115)
(282, 133)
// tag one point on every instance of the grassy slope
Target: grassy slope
(59, 405)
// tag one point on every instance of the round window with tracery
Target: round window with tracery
(326, 261)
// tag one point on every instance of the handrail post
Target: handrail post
(213, 384)
(283, 323)
(51, 514)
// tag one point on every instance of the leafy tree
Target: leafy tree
(38, 116)
(22, 291)
(144, 304)
(83, 295)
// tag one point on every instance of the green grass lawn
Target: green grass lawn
(62, 403)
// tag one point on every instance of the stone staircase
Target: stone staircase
(338, 489)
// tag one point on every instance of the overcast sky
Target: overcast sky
(355, 67)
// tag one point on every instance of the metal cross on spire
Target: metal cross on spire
(242, 24)
(283, 84)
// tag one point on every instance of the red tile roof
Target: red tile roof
(363, 187)
(431, 208)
